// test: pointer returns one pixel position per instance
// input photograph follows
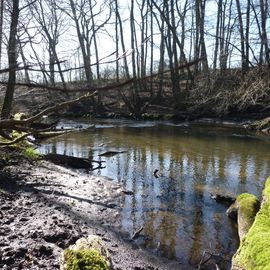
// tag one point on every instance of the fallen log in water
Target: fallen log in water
(74, 162)
(48, 134)
(111, 153)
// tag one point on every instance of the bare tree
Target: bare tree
(51, 21)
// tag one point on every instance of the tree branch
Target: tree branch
(14, 124)
(19, 139)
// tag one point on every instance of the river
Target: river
(180, 219)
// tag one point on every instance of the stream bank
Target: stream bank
(45, 208)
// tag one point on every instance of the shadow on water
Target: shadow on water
(180, 219)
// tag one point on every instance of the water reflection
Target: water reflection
(180, 220)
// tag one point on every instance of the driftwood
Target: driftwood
(223, 199)
(49, 134)
(74, 162)
(111, 153)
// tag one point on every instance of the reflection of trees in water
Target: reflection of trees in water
(176, 212)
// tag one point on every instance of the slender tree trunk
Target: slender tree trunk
(51, 67)
(12, 61)
(202, 41)
(161, 54)
(135, 96)
(247, 33)
(94, 39)
(242, 37)
(176, 82)
(1, 28)
(264, 12)
(117, 42)
(122, 43)
(219, 14)
(151, 46)
(86, 57)
(26, 73)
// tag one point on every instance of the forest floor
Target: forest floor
(44, 208)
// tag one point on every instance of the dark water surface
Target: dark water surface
(180, 219)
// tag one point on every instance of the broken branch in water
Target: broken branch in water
(137, 233)
(205, 259)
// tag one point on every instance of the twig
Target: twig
(137, 233)
(205, 260)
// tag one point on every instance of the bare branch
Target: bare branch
(12, 123)
(19, 139)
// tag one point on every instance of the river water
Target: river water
(180, 219)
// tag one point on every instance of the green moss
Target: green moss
(30, 152)
(254, 250)
(87, 259)
(248, 205)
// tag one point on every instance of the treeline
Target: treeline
(57, 43)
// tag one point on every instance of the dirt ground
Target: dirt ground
(44, 208)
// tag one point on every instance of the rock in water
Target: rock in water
(254, 250)
(244, 210)
(88, 251)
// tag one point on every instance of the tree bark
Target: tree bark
(12, 61)
(1, 27)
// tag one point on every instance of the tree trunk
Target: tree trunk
(26, 73)
(1, 28)
(242, 37)
(12, 61)
(86, 57)
(264, 39)
(219, 14)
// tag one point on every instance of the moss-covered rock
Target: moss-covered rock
(87, 253)
(254, 250)
(88, 259)
(244, 210)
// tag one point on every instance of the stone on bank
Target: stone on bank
(244, 210)
(86, 254)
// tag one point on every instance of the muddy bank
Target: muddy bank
(45, 208)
